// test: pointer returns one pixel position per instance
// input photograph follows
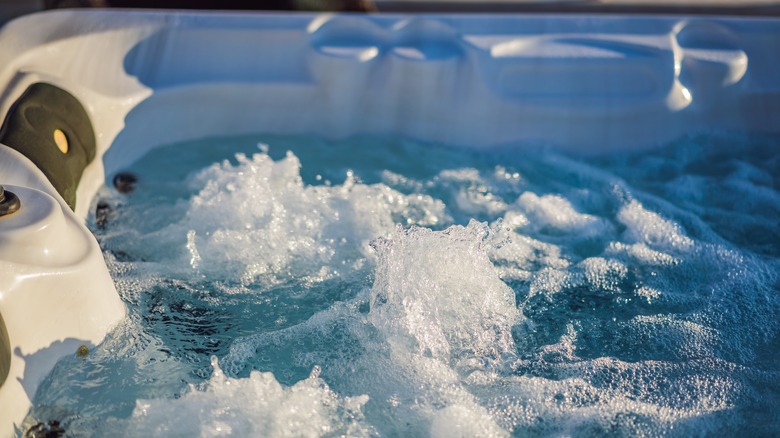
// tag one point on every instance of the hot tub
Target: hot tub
(583, 84)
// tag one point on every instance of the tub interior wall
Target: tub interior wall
(587, 84)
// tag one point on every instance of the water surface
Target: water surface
(384, 287)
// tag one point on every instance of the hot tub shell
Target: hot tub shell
(583, 83)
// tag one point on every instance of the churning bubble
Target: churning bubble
(461, 294)
(438, 294)
(253, 406)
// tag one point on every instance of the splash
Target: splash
(254, 406)
(438, 292)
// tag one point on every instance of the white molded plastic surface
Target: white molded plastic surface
(55, 291)
(39, 234)
(584, 83)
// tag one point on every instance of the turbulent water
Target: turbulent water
(383, 287)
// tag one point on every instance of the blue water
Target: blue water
(381, 286)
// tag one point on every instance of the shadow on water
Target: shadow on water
(37, 363)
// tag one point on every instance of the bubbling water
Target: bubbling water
(308, 409)
(460, 294)
(438, 294)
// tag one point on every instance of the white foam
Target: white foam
(558, 214)
(458, 421)
(519, 256)
(473, 194)
(258, 219)
(603, 274)
(253, 406)
(641, 253)
(439, 294)
(548, 282)
(645, 226)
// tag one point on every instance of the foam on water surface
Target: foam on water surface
(254, 406)
(380, 286)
